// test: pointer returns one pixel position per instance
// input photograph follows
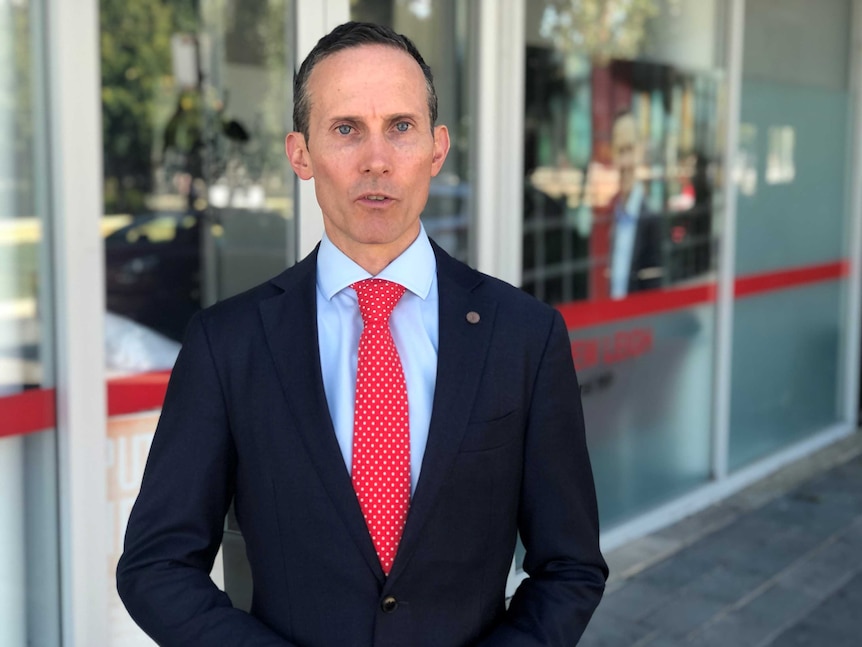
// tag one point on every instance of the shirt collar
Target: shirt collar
(414, 268)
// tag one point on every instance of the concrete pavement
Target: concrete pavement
(778, 564)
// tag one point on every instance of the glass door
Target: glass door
(29, 537)
(792, 254)
(440, 29)
(622, 194)
(199, 203)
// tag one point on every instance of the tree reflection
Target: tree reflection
(599, 29)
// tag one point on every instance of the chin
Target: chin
(384, 233)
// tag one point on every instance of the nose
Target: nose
(376, 155)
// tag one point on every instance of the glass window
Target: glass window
(439, 28)
(622, 189)
(199, 202)
(196, 100)
(793, 212)
(29, 544)
(621, 148)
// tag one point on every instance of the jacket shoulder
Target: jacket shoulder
(504, 294)
(245, 305)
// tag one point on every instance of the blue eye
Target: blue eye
(345, 129)
(402, 126)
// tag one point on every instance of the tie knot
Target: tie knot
(377, 298)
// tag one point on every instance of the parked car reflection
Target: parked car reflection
(163, 266)
(153, 271)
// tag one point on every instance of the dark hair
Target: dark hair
(353, 34)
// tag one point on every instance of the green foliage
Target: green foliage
(599, 29)
(136, 71)
(18, 81)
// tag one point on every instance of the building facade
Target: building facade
(675, 176)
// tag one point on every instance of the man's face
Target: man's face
(624, 143)
(370, 149)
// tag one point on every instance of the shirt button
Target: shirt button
(389, 604)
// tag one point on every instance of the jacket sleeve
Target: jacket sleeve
(558, 516)
(175, 527)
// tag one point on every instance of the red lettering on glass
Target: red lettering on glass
(611, 349)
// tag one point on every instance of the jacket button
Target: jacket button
(389, 604)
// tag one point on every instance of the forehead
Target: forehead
(624, 130)
(378, 78)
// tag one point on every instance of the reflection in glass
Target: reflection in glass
(780, 167)
(621, 154)
(745, 171)
(621, 159)
(786, 369)
(439, 28)
(29, 542)
(622, 182)
(793, 212)
(196, 102)
(199, 204)
(598, 28)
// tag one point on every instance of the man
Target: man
(260, 409)
(636, 233)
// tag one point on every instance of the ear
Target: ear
(441, 149)
(297, 152)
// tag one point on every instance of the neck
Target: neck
(371, 260)
(373, 257)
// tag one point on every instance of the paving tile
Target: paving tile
(680, 571)
(636, 600)
(697, 526)
(754, 621)
(725, 632)
(771, 558)
(836, 622)
(758, 528)
(842, 486)
(771, 612)
(853, 533)
(811, 636)
(665, 641)
(788, 511)
(828, 512)
(727, 585)
(842, 494)
(631, 559)
(778, 565)
(820, 573)
(609, 631)
(683, 615)
(715, 549)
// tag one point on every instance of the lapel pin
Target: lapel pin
(473, 317)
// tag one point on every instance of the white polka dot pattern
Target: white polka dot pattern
(381, 433)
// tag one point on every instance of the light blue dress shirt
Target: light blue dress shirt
(414, 325)
(625, 229)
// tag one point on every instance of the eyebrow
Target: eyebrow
(400, 116)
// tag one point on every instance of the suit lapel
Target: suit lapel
(290, 324)
(463, 345)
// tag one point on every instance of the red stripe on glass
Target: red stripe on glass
(136, 393)
(35, 410)
(583, 314)
(27, 412)
(753, 284)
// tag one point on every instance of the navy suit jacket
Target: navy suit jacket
(646, 268)
(245, 418)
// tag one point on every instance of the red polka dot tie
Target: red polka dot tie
(381, 431)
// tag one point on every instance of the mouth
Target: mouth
(375, 199)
